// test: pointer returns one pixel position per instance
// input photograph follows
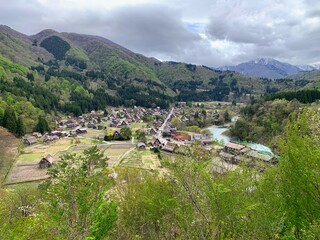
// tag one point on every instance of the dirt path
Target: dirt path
(9, 146)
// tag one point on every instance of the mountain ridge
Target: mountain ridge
(267, 68)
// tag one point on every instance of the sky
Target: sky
(207, 32)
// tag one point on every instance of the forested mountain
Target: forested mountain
(312, 77)
(70, 72)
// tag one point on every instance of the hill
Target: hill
(312, 76)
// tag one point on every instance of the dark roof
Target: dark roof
(31, 140)
(169, 147)
(234, 146)
(50, 159)
(141, 144)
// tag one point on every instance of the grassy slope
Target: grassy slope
(18, 47)
(8, 152)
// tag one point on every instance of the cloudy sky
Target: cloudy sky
(209, 32)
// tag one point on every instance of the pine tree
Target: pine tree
(10, 120)
(42, 125)
(21, 130)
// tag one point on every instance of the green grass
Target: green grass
(30, 157)
(138, 125)
(27, 185)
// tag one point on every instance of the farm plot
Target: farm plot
(26, 173)
(26, 168)
(141, 159)
(116, 151)
(135, 126)
(92, 133)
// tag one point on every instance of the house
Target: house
(170, 147)
(51, 138)
(153, 131)
(227, 157)
(180, 136)
(90, 125)
(37, 134)
(123, 124)
(47, 161)
(114, 123)
(116, 135)
(56, 133)
(71, 125)
(30, 140)
(81, 131)
(200, 137)
(141, 146)
(206, 142)
(233, 148)
(156, 142)
(256, 156)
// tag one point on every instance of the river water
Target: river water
(218, 135)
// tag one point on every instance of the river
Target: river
(218, 135)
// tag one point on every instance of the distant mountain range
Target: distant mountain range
(268, 68)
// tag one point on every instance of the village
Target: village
(150, 131)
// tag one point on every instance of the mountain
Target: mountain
(311, 78)
(76, 73)
(264, 68)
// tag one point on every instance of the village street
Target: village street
(160, 131)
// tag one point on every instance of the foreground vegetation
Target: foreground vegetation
(84, 199)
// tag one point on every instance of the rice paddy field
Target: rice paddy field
(141, 159)
(26, 168)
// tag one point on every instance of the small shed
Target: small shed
(30, 140)
(47, 162)
(141, 146)
(170, 147)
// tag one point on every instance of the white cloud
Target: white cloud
(205, 32)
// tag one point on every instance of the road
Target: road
(160, 131)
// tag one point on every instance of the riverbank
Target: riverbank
(222, 133)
